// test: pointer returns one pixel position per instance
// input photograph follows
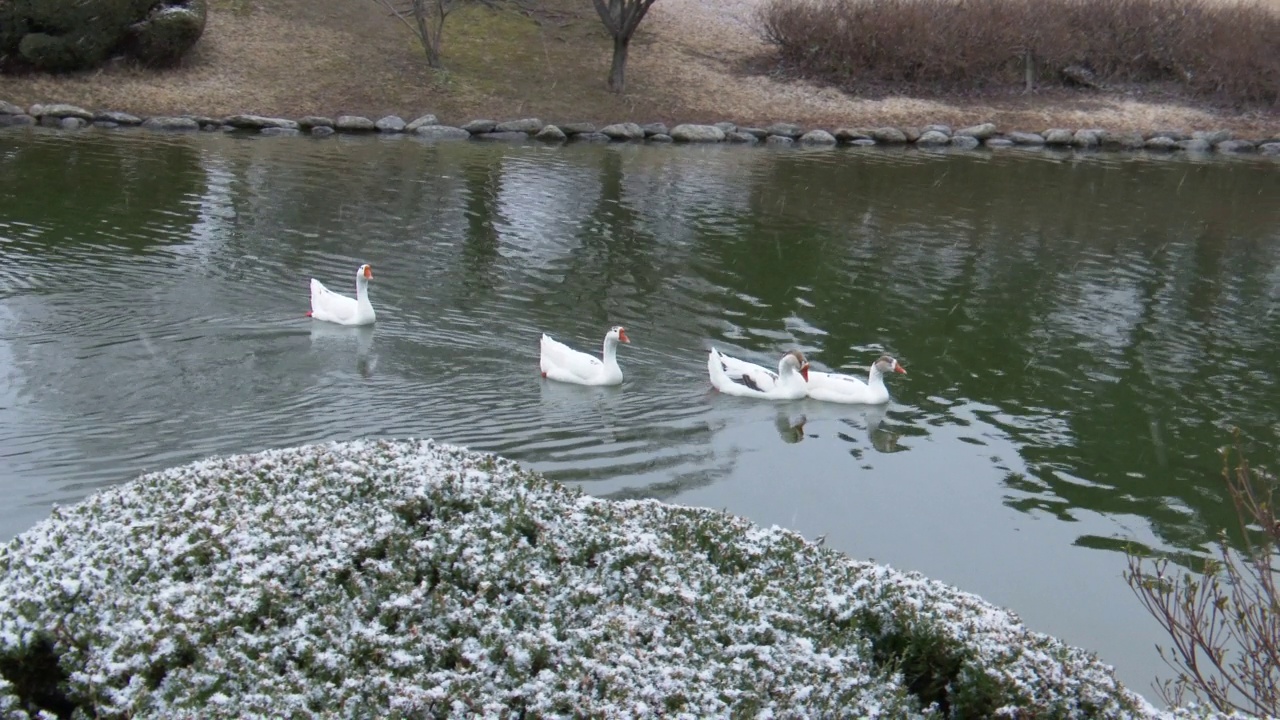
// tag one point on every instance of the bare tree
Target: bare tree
(426, 19)
(621, 18)
(1225, 624)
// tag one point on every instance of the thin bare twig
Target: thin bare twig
(426, 19)
(1225, 624)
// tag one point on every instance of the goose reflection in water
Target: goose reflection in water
(338, 338)
(870, 419)
(790, 427)
(882, 438)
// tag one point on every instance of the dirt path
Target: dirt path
(328, 57)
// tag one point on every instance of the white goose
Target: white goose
(833, 387)
(331, 307)
(738, 377)
(561, 362)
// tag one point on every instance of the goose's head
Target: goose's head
(618, 334)
(886, 364)
(363, 274)
(794, 361)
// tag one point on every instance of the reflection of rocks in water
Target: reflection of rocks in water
(790, 427)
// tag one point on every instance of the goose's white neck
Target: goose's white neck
(610, 352)
(362, 289)
(875, 377)
(789, 375)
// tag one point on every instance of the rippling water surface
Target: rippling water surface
(1080, 333)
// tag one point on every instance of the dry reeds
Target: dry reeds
(1228, 51)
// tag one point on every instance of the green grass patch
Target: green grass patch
(550, 62)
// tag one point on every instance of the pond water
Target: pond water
(1080, 333)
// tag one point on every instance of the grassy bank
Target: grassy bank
(691, 61)
(328, 57)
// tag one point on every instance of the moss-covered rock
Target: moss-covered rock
(67, 35)
(167, 33)
(50, 52)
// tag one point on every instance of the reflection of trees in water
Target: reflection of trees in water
(86, 189)
(1128, 300)
(1071, 293)
(613, 254)
(482, 184)
(616, 259)
(1118, 313)
(393, 194)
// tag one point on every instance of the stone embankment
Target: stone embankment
(429, 127)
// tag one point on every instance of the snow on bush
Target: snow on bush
(413, 579)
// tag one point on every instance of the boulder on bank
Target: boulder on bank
(68, 35)
(933, 138)
(817, 137)
(170, 123)
(624, 131)
(259, 122)
(551, 133)
(981, 131)
(168, 31)
(423, 580)
(697, 133)
(889, 135)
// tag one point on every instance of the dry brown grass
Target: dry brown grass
(704, 43)
(250, 59)
(297, 57)
(1226, 52)
(328, 57)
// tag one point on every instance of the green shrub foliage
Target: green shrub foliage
(70, 35)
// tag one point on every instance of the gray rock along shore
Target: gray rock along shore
(429, 127)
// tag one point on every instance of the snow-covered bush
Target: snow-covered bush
(413, 579)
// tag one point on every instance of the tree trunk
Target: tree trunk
(618, 70)
(429, 15)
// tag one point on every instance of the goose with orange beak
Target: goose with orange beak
(834, 387)
(561, 362)
(732, 376)
(330, 306)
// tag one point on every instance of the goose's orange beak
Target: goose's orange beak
(899, 369)
(804, 372)
(368, 272)
(622, 335)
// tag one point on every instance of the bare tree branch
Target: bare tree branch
(1225, 624)
(426, 19)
